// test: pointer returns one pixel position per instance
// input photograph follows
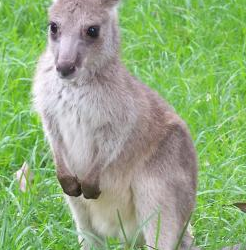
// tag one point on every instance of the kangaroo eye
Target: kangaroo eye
(53, 28)
(93, 31)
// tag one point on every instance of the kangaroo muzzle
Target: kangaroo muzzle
(66, 63)
(65, 68)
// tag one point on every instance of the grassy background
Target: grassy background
(192, 53)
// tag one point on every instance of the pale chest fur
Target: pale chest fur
(77, 114)
(80, 114)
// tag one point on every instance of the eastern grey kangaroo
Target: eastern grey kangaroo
(118, 147)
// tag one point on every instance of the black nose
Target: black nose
(65, 69)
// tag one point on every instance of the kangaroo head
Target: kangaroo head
(83, 34)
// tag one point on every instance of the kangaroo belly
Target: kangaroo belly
(106, 212)
(114, 203)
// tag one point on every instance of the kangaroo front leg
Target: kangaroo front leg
(69, 183)
(90, 184)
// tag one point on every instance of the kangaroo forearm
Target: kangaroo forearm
(91, 182)
(69, 183)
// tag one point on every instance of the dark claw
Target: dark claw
(70, 185)
(90, 191)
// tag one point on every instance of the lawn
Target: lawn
(192, 52)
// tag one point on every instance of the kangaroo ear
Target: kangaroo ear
(110, 3)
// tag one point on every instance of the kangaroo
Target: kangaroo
(118, 147)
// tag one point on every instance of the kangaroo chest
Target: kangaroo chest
(77, 115)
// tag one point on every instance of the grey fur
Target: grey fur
(111, 135)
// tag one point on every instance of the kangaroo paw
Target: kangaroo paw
(70, 184)
(90, 190)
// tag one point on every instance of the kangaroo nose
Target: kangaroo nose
(65, 69)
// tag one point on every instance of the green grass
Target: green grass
(192, 53)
